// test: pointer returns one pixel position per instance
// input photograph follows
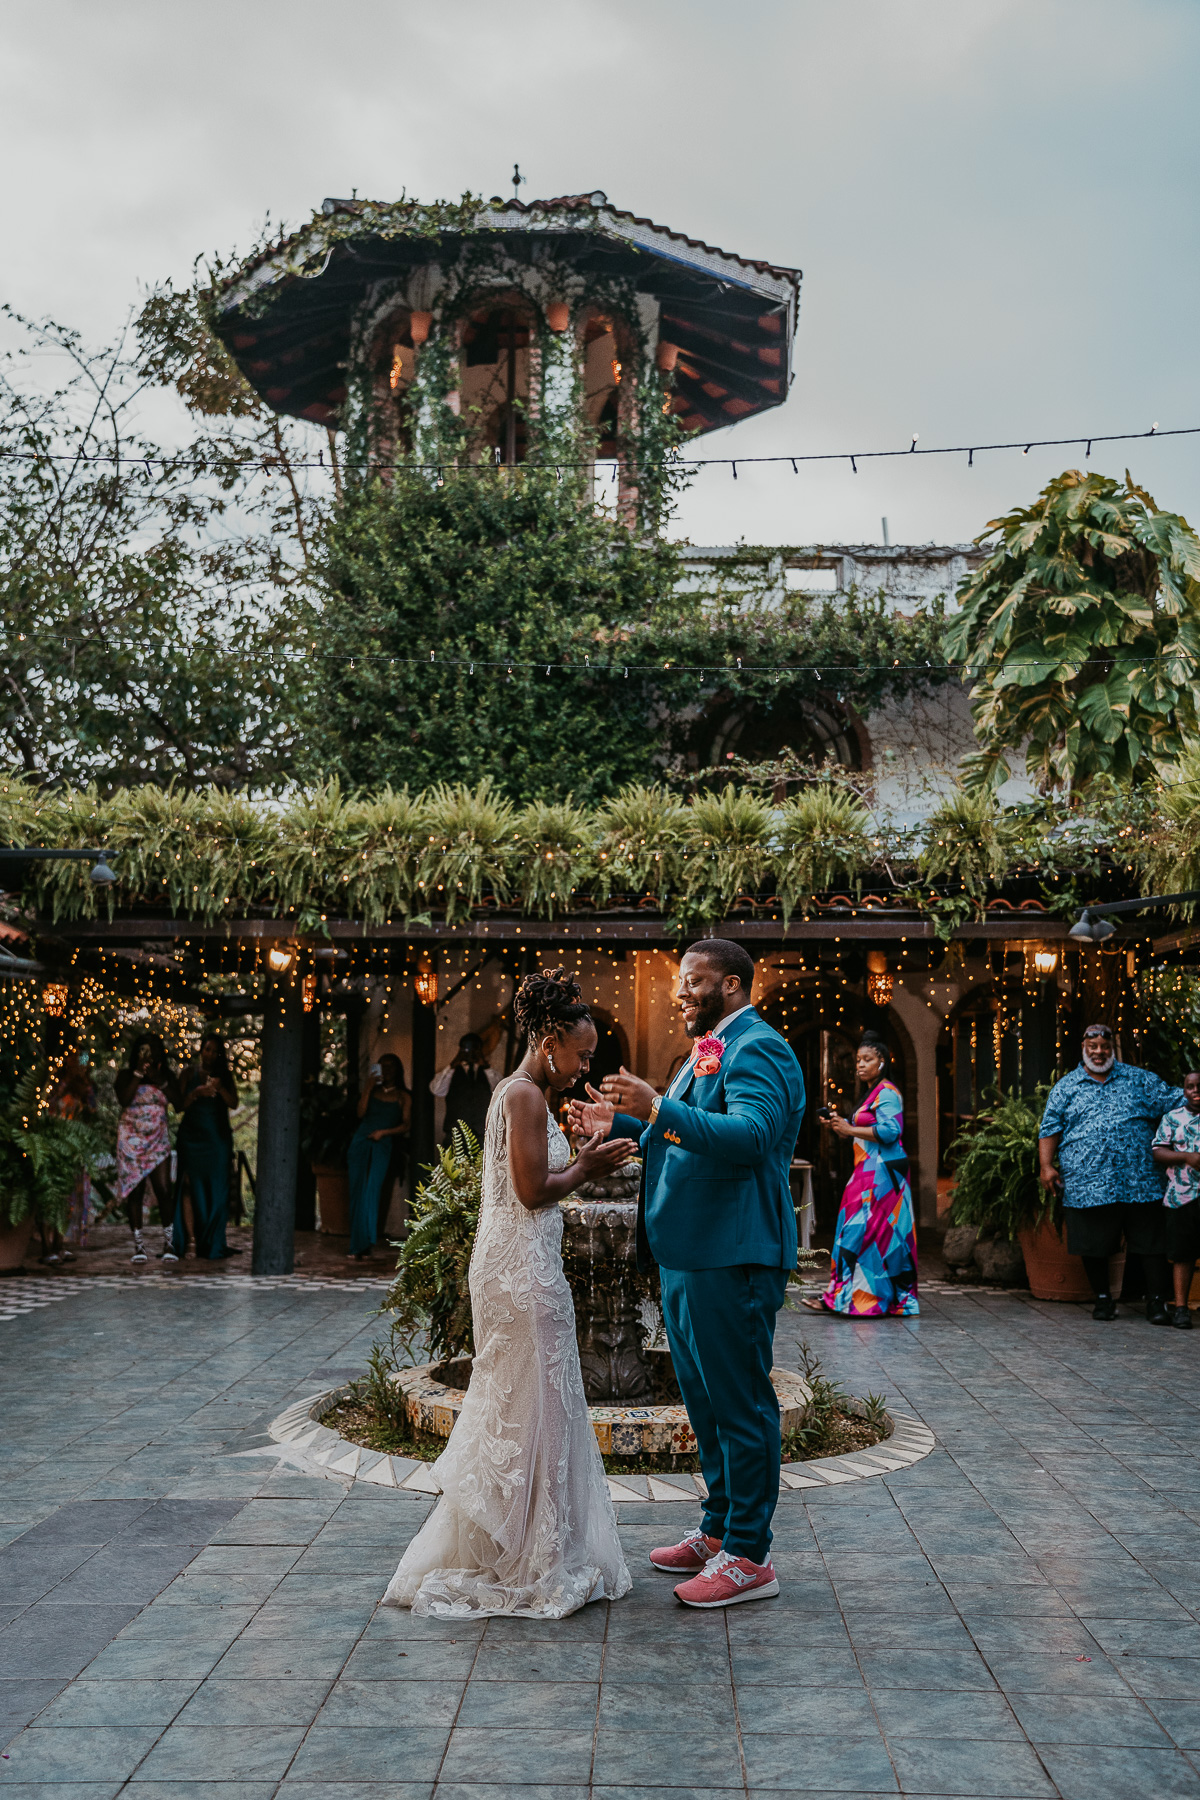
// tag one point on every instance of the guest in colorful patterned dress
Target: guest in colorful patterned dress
(1177, 1149)
(874, 1272)
(144, 1089)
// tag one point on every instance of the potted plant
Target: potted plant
(327, 1125)
(41, 1156)
(430, 1296)
(997, 1189)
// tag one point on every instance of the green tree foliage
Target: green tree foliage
(1081, 633)
(41, 1158)
(497, 626)
(146, 616)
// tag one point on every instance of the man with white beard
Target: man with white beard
(1100, 1122)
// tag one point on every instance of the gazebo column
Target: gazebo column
(424, 1068)
(282, 1062)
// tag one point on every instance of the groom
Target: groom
(716, 1214)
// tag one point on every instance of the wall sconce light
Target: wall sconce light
(425, 981)
(1045, 961)
(55, 996)
(558, 315)
(280, 959)
(308, 991)
(418, 325)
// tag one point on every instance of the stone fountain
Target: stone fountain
(630, 1386)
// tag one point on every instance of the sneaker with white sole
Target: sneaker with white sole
(727, 1580)
(687, 1557)
(139, 1248)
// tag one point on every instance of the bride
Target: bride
(525, 1525)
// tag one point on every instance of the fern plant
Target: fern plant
(727, 850)
(430, 1292)
(635, 847)
(995, 1159)
(824, 837)
(41, 1158)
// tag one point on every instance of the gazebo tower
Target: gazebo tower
(559, 331)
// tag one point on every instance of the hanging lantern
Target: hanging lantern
(1045, 961)
(308, 991)
(879, 988)
(425, 981)
(280, 959)
(55, 996)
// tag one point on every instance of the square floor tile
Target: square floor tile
(806, 1711)
(852, 1766)
(89, 1702)
(669, 1759)
(926, 1713)
(938, 1669)
(368, 1753)
(222, 1753)
(84, 1753)
(1081, 1719)
(400, 1704)
(263, 1701)
(1087, 1772)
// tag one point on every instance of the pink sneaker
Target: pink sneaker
(727, 1579)
(688, 1557)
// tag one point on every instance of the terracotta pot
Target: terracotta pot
(558, 315)
(1053, 1273)
(418, 327)
(333, 1201)
(666, 356)
(14, 1241)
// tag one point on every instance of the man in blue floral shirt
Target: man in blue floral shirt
(1100, 1122)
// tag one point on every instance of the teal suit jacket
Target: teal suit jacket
(716, 1161)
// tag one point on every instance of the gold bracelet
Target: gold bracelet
(654, 1106)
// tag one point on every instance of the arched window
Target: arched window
(496, 351)
(762, 733)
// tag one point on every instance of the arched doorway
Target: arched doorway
(824, 1033)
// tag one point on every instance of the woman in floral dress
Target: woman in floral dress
(874, 1273)
(144, 1090)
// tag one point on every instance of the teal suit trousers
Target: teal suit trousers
(720, 1327)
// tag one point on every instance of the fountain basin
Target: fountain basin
(434, 1393)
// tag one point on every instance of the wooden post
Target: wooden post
(310, 1076)
(424, 1068)
(279, 1125)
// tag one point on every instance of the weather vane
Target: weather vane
(517, 181)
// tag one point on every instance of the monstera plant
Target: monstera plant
(1081, 634)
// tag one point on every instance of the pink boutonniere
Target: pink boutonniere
(709, 1052)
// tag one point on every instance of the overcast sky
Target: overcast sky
(993, 201)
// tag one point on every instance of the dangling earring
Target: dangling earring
(549, 1055)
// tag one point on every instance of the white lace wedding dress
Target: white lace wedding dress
(525, 1525)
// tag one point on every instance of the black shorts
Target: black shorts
(1183, 1232)
(1098, 1230)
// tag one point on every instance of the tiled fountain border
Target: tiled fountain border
(315, 1449)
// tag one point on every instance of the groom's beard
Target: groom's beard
(1100, 1065)
(708, 1014)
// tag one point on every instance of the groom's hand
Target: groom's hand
(630, 1093)
(585, 1121)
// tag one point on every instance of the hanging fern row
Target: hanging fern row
(326, 853)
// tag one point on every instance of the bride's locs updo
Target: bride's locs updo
(550, 1001)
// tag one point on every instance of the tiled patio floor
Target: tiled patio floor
(1015, 1615)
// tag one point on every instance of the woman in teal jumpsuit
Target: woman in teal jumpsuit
(383, 1114)
(204, 1153)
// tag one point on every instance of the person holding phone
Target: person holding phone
(874, 1274)
(384, 1113)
